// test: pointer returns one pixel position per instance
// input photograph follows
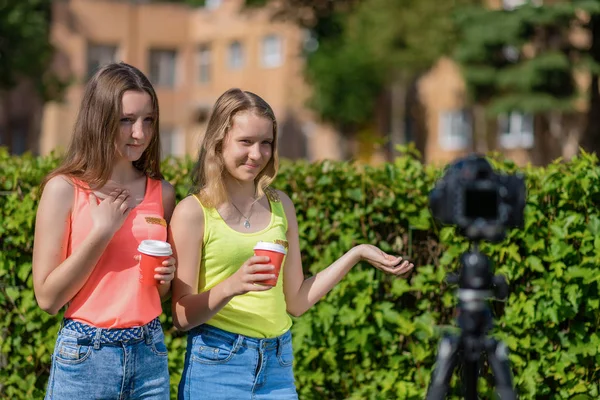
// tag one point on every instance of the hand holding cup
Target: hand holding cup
(249, 276)
(155, 254)
(276, 254)
(166, 272)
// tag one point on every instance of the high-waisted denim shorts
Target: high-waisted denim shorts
(121, 364)
(224, 365)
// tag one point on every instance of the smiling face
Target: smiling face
(136, 125)
(248, 146)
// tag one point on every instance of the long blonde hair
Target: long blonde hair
(208, 174)
(91, 153)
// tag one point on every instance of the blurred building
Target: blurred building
(439, 119)
(191, 55)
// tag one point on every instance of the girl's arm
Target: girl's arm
(301, 294)
(167, 271)
(191, 308)
(56, 277)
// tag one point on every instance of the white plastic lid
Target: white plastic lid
(270, 246)
(155, 248)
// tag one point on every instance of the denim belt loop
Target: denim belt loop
(147, 334)
(238, 343)
(97, 337)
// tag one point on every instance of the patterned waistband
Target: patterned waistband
(97, 336)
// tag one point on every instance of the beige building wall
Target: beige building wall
(137, 29)
(441, 91)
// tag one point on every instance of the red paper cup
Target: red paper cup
(153, 252)
(276, 253)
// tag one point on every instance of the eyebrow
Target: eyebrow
(133, 115)
(254, 138)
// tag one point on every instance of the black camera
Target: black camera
(480, 202)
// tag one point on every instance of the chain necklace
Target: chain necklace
(247, 222)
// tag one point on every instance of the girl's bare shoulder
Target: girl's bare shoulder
(189, 209)
(59, 186)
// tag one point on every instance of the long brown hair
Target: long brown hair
(91, 152)
(208, 174)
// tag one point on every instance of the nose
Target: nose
(254, 153)
(137, 131)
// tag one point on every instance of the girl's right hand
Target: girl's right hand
(248, 277)
(109, 215)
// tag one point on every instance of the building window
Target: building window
(162, 67)
(212, 4)
(310, 44)
(455, 130)
(272, 51)
(512, 4)
(16, 138)
(236, 55)
(516, 130)
(99, 55)
(204, 62)
(511, 53)
(172, 142)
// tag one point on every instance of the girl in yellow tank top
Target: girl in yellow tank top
(96, 207)
(239, 340)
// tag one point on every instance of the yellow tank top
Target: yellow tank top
(254, 314)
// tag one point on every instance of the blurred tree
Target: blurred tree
(591, 138)
(25, 53)
(368, 50)
(526, 59)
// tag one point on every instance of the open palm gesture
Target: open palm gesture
(379, 259)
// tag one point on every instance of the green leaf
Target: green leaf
(535, 263)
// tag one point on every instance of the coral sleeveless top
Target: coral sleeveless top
(224, 250)
(113, 297)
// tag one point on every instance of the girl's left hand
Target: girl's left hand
(383, 261)
(166, 273)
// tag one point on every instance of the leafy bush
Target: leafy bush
(373, 336)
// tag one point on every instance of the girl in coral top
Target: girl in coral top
(104, 199)
(239, 341)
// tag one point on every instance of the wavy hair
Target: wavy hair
(91, 152)
(208, 174)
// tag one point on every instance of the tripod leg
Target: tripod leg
(469, 377)
(472, 349)
(445, 363)
(498, 357)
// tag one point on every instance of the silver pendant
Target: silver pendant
(247, 224)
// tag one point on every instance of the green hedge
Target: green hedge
(373, 336)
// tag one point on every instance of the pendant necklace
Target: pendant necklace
(247, 222)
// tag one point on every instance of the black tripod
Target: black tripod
(476, 285)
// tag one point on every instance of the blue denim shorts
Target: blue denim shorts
(224, 365)
(95, 363)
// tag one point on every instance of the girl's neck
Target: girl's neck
(124, 172)
(240, 192)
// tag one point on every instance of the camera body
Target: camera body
(480, 202)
